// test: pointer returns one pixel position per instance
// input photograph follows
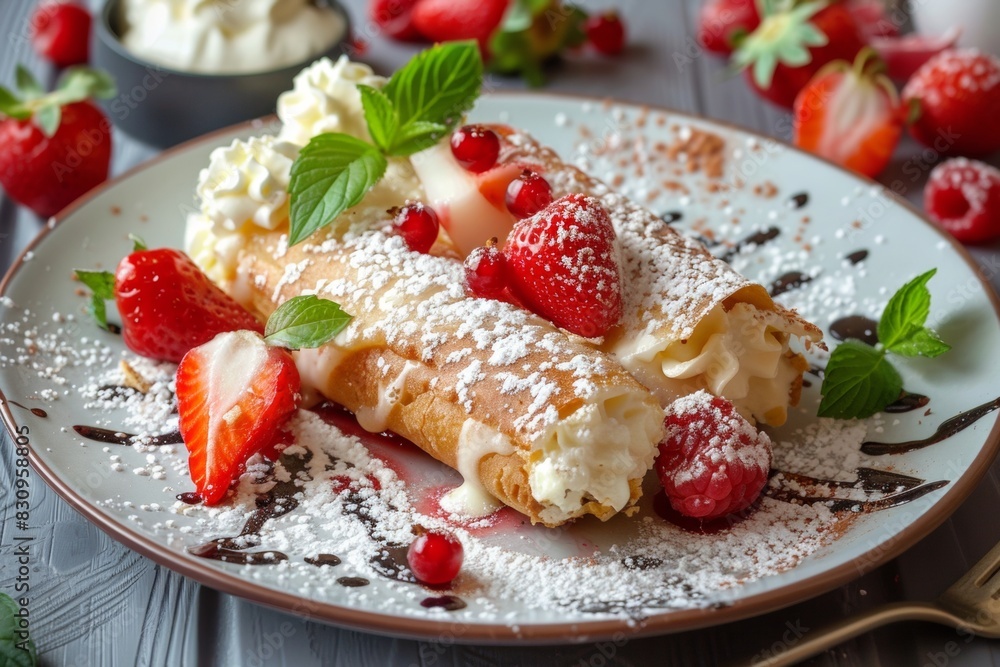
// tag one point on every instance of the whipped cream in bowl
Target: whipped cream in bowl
(187, 67)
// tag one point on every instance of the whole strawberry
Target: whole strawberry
(562, 264)
(54, 147)
(792, 44)
(60, 31)
(850, 115)
(168, 305)
(712, 462)
(721, 22)
(958, 92)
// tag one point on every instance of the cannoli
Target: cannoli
(530, 415)
(690, 321)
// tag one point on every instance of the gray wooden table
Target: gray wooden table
(94, 602)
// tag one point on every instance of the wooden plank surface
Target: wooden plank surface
(94, 602)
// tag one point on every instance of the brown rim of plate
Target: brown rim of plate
(548, 633)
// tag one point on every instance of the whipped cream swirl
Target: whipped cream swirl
(325, 98)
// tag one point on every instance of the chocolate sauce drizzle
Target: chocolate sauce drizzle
(319, 560)
(353, 582)
(754, 240)
(948, 428)
(907, 402)
(898, 489)
(112, 437)
(189, 498)
(858, 327)
(279, 501)
(799, 200)
(670, 217)
(857, 257)
(788, 281)
(446, 602)
(38, 412)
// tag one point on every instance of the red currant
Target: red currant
(606, 32)
(60, 31)
(475, 147)
(435, 558)
(486, 271)
(417, 224)
(528, 194)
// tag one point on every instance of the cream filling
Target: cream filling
(740, 354)
(475, 442)
(592, 454)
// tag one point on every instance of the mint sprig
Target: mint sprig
(102, 284)
(418, 106)
(16, 647)
(305, 322)
(860, 380)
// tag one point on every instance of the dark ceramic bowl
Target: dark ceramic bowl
(162, 107)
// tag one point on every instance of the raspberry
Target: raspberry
(712, 462)
(963, 196)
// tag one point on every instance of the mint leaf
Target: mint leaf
(859, 382)
(438, 85)
(417, 136)
(906, 311)
(305, 322)
(16, 648)
(924, 343)
(102, 284)
(138, 244)
(380, 116)
(332, 173)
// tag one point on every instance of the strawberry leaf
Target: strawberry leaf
(80, 83)
(27, 83)
(48, 118)
(11, 106)
(859, 381)
(102, 284)
(438, 85)
(138, 244)
(332, 173)
(16, 648)
(305, 322)
(784, 36)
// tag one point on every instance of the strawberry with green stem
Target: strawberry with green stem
(54, 146)
(794, 41)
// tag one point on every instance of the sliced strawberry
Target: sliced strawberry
(721, 22)
(959, 96)
(234, 394)
(963, 196)
(851, 116)
(562, 265)
(394, 18)
(904, 55)
(791, 45)
(449, 20)
(168, 306)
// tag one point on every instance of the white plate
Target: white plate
(842, 215)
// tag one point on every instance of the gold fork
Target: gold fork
(971, 605)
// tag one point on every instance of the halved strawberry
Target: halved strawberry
(168, 305)
(905, 55)
(562, 264)
(850, 115)
(234, 394)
